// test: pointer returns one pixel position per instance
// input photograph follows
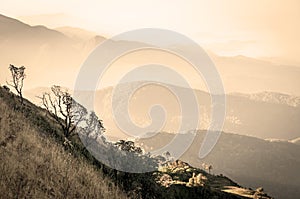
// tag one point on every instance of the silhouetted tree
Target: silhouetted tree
(18, 76)
(64, 109)
(71, 116)
(128, 146)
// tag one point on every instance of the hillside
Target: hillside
(251, 161)
(35, 164)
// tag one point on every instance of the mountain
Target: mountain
(272, 97)
(51, 57)
(272, 117)
(59, 53)
(37, 163)
(40, 49)
(249, 75)
(251, 161)
(50, 20)
(264, 118)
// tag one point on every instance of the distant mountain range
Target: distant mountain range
(63, 50)
(48, 54)
(272, 117)
(272, 97)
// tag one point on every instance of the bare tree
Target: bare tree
(72, 117)
(64, 109)
(18, 76)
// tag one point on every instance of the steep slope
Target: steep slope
(34, 165)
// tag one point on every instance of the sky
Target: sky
(256, 28)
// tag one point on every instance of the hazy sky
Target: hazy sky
(258, 28)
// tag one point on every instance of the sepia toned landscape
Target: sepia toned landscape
(151, 123)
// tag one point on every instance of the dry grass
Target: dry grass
(33, 165)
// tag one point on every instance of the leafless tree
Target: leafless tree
(72, 117)
(18, 76)
(64, 109)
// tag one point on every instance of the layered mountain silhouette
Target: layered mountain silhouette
(43, 50)
(264, 115)
(66, 48)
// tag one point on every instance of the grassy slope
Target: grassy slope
(34, 165)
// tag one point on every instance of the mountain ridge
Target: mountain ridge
(64, 55)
